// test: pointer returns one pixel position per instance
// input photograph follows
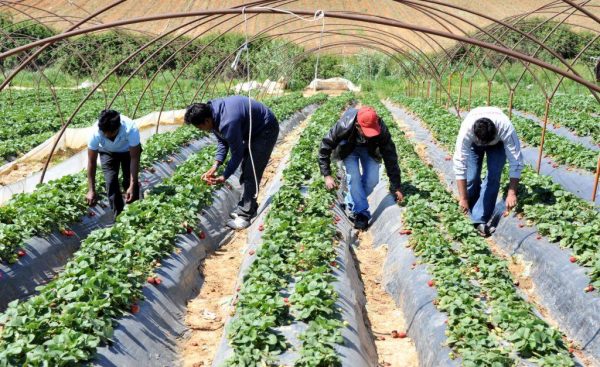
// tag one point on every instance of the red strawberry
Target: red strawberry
(405, 232)
(554, 165)
(445, 321)
(189, 230)
(448, 158)
(573, 259)
(589, 288)
(337, 218)
(538, 237)
(157, 280)
(201, 235)
(431, 283)
(68, 232)
(401, 334)
(571, 350)
(476, 269)
(21, 253)
(333, 263)
(91, 214)
(151, 280)
(135, 308)
(521, 225)
(286, 300)
(251, 252)
(261, 227)
(238, 289)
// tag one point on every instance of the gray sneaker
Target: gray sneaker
(233, 215)
(238, 224)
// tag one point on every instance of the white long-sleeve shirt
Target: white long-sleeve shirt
(505, 133)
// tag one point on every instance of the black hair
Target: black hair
(484, 130)
(197, 113)
(109, 121)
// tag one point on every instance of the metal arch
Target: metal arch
(383, 21)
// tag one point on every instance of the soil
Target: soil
(382, 313)
(208, 312)
(24, 169)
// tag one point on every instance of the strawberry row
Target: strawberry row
(558, 214)
(488, 323)
(57, 203)
(73, 314)
(297, 247)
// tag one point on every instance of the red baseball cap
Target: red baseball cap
(369, 122)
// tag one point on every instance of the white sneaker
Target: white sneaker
(238, 224)
(233, 215)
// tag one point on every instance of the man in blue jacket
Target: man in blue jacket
(249, 136)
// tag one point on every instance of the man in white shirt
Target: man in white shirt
(486, 131)
(117, 140)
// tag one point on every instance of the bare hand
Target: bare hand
(210, 174)
(399, 196)
(91, 198)
(511, 201)
(130, 194)
(330, 183)
(464, 205)
(211, 180)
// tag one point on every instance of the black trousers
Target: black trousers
(112, 163)
(262, 147)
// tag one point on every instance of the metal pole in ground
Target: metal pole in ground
(539, 162)
(510, 103)
(596, 180)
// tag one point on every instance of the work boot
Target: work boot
(361, 222)
(238, 223)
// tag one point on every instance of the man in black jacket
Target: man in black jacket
(361, 140)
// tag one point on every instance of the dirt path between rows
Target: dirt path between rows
(207, 313)
(384, 317)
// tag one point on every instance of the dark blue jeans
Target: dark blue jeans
(360, 184)
(483, 195)
(262, 147)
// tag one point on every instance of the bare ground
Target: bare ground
(383, 315)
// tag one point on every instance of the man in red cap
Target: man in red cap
(361, 140)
